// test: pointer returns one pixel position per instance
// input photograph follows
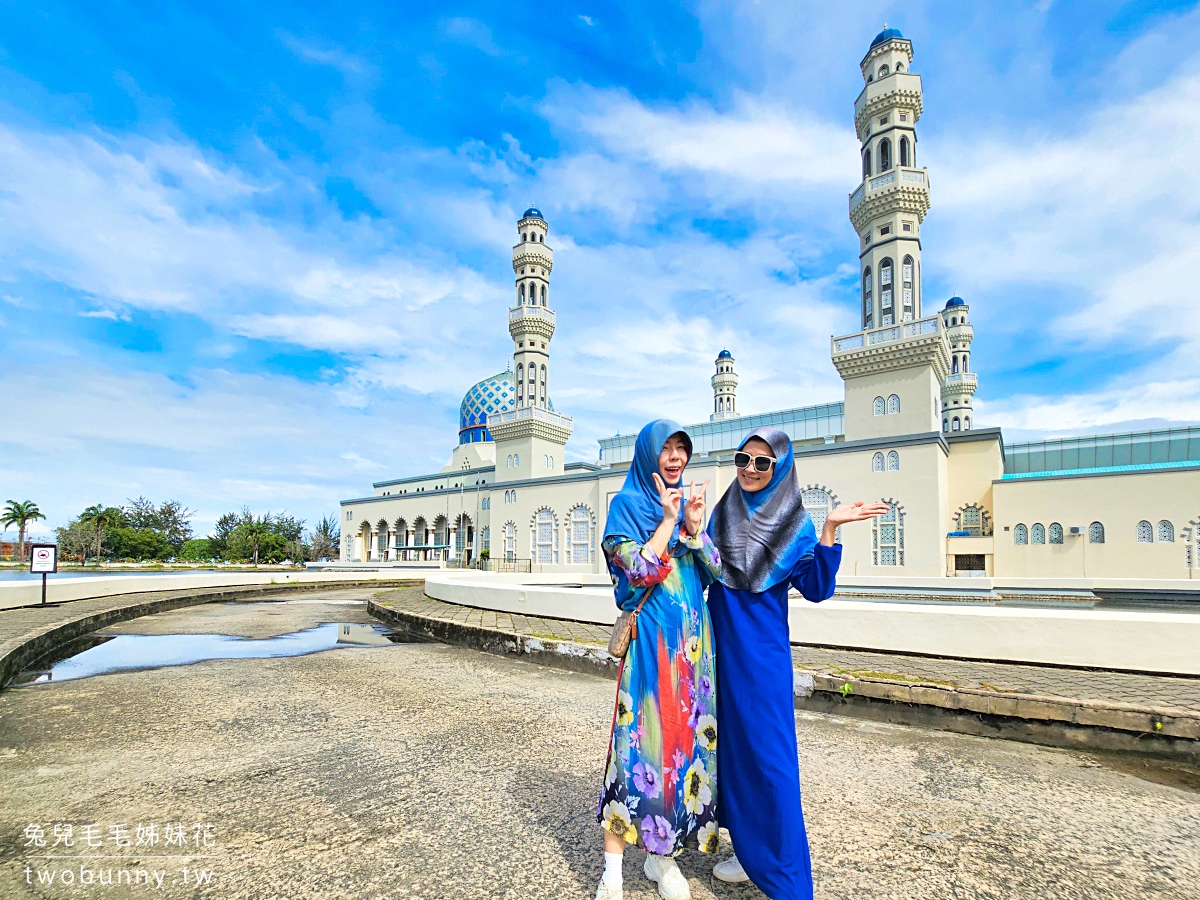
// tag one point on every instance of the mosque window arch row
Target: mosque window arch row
(887, 536)
(818, 501)
(1163, 532)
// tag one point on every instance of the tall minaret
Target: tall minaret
(958, 389)
(531, 321)
(724, 384)
(890, 204)
(530, 439)
(895, 368)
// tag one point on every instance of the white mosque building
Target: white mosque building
(962, 502)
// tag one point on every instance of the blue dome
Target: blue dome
(724, 354)
(533, 213)
(886, 35)
(489, 397)
(955, 301)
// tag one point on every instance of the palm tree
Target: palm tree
(100, 518)
(255, 530)
(20, 513)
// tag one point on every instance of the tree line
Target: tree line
(142, 530)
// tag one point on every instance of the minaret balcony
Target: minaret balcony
(531, 321)
(900, 89)
(960, 383)
(892, 347)
(535, 421)
(902, 189)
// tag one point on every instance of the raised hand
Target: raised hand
(693, 512)
(671, 498)
(855, 512)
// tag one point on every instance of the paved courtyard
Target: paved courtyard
(422, 770)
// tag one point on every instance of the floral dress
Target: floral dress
(660, 786)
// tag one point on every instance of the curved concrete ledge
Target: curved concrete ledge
(62, 590)
(1162, 642)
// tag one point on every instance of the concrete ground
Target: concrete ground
(423, 770)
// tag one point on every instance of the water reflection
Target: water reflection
(101, 654)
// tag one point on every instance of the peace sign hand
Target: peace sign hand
(693, 513)
(671, 498)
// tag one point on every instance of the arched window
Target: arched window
(867, 163)
(543, 295)
(510, 540)
(899, 67)
(877, 462)
(954, 365)
(542, 389)
(579, 536)
(885, 291)
(893, 404)
(966, 423)
(1020, 535)
(1166, 532)
(520, 383)
(1145, 532)
(544, 538)
(893, 461)
(867, 308)
(485, 540)
(1056, 533)
(516, 465)
(817, 503)
(878, 408)
(955, 425)
(888, 537)
(906, 286)
(903, 151)
(521, 295)
(885, 155)
(945, 424)
(1037, 534)
(1096, 533)
(971, 520)
(883, 70)
(524, 237)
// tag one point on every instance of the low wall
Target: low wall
(1134, 641)
(23, 593)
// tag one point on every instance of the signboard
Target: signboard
(43, 558)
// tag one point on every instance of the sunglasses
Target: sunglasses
(761, 463)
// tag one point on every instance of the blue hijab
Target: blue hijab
(636, 510)
(761, 535)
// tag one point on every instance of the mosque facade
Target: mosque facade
(962, 502)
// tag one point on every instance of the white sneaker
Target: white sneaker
(608, 891)
(671, 883)
(730, 871)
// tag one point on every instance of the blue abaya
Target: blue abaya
(756, 753)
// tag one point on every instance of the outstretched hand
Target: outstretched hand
(693, 512)
(671, 498)
(855, 512)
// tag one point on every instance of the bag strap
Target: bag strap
(621, 668)
(633, 618)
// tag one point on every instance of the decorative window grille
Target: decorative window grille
(510, 540)
(817, 503)
(1056, 533)
(893, 404)
(1166, 532)
(545, 538)
(1037, 534)
(1020, 535)
(580, 536)
(1096, 533)
(974, 520)
(886, 296)
(877, 462)
(878, 407)
(906, 272)
(887, 538)
(1145, 532)
(893, 461)
(485, 540)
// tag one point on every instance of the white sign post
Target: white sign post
(43, 559)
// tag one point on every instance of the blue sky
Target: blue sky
(256, 253)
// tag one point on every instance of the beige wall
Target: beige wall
(920, 397)
(1119, 502)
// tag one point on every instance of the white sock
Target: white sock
(612, 868)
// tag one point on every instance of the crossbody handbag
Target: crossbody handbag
(625, 628)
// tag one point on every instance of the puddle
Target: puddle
(96, 654)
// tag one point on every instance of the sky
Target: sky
(255, 254)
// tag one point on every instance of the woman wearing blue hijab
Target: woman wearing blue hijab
(660, 784)
(767, 542)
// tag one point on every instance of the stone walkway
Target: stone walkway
(1109, 702)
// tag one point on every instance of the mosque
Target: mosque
(962, 502)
